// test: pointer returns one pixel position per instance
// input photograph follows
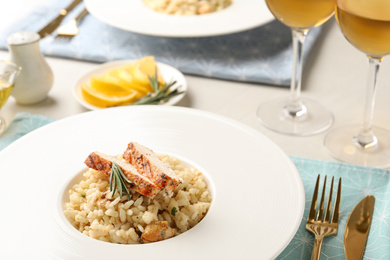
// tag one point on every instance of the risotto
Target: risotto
(187, 7)
(94, 212)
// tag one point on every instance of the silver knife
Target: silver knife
(49, 28)
(357, 228)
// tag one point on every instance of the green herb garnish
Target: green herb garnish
(159, 95)
(174, 211)
(118, 179)
(82, 195)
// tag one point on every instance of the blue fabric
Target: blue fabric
(260, 55)
(22, 124)
(357, 182)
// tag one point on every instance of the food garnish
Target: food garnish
(140, 183)
(102, 99)
(118, 179)
(160, 94)
(139, 81)
(173, 211)
(142, 69)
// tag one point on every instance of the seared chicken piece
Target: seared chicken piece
(150, 166)
(140, 183)
(157, 231)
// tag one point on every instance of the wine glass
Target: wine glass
(8, 74)
(295, 115)
(366, 25)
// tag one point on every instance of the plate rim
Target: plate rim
(177, 26)
(240, 125)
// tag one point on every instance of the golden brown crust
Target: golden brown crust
(146, 167)
(157, 231)
(95, 162)
(140, 184)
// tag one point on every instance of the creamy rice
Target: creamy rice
(93, 211)
(187, 7)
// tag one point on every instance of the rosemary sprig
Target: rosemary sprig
(159, 95)
(118, 179)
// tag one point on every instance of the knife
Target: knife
(49, 28)
(357, 228)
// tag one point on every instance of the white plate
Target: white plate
(134, 16)
(169, 74)
(258, 195)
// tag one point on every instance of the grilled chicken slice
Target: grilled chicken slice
(140, 183)
(157, 231)
(150, 166)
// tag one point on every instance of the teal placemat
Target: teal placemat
(357, 182)
(22, 124)
(260, 55)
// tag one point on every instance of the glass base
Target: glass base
(317, 118)
(3, 126)
(342, 146)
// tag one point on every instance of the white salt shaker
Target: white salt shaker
(36, 78)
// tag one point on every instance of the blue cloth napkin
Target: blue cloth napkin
(261, 55)
(357, 182)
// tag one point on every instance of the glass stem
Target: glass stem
(294, 107)
(365, 138)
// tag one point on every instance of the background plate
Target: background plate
(134, 16)
(258, 193)
(169, 74)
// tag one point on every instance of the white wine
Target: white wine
(302, 14)
(366, 25)
(5, 90)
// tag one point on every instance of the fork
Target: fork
(319, 224)
(70, 29)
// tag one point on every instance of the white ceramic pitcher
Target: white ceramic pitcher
(36, 78)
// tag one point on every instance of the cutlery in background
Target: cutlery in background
(357, 228)
(49, 28)
(70, 29)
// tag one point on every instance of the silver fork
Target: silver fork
(70, 29)
(320, 225)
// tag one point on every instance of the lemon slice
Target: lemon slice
(124, 85)
(108, 85)
(143, 68)
(103, 100)
(128, 81)
(125, 80)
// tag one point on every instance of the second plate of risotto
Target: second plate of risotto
(148, 182)
(181, 18)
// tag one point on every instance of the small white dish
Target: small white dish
(135, 16)
(168, 72)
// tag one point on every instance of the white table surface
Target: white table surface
(335, 75)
